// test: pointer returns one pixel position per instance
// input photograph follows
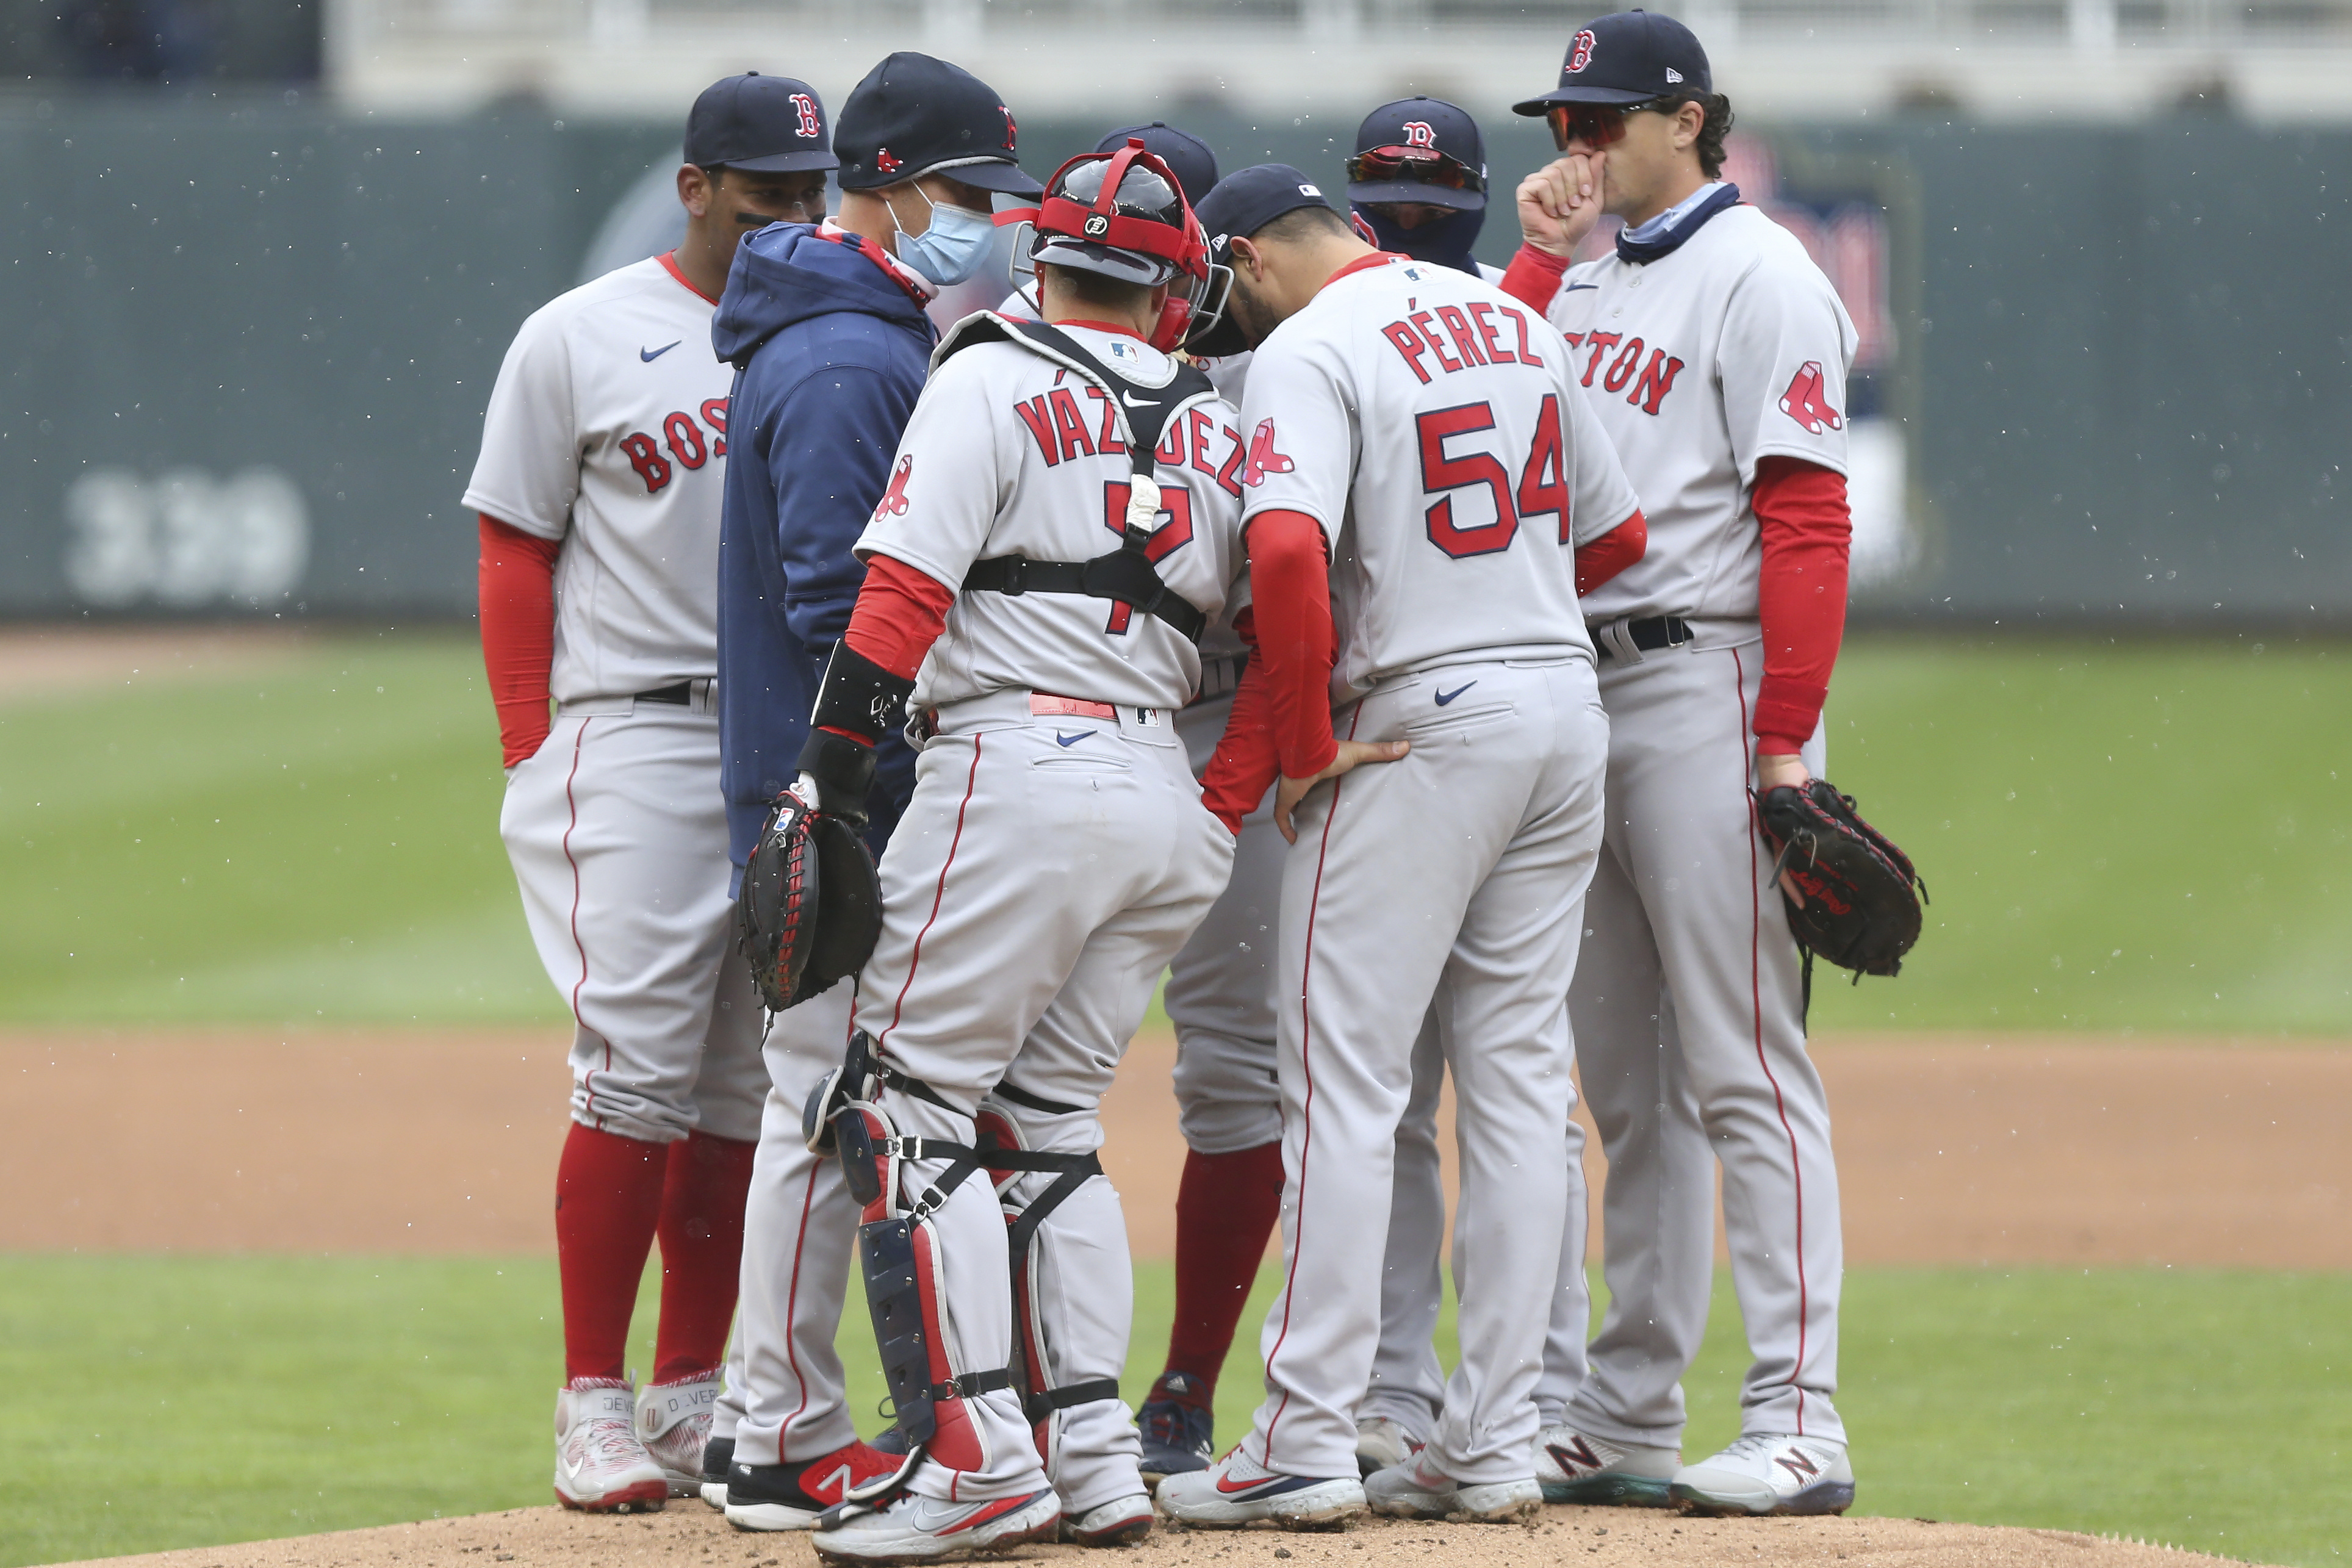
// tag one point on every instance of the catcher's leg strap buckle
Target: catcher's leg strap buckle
(972, 1385)
(1038, 1406)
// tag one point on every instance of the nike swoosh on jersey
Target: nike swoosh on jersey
(1574, 286)
(1446, 697)
(1134, 402)
(649, 355)
(1074, 739)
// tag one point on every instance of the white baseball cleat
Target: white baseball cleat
(924, 1529)
(1122, 1521)
(1768, 1472)
(1382, 1441)
(1577, 1467)
(1236, 1490)
(600, 1465)
(674, 1424)
(1417, 1488)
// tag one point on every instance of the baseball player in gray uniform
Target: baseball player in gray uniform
(1061, 526)
(1418, 471)
(1715, 354)
(604, 452)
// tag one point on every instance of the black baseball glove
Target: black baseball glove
(810, 910)
(1862, 897)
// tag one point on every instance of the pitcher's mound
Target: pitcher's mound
(689, 1535)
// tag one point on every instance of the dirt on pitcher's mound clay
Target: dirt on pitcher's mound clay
(689, 1535)
(1952, 1149)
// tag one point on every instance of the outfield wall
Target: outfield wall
(248, 345)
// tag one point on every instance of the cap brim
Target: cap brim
(1414, 191)
(1601, 95)
(785, 162)
(1006, 179)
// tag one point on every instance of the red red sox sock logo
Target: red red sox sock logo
(894, 500)
(1420, 134)
(1579, 54)
(1263, 458)
(886, 162)
(805, 107)
(1012, 131)
(1806, 403)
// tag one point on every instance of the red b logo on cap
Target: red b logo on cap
(805, 107)
(1420, 134)
(1579, 52)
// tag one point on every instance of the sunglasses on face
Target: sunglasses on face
(1423, 166)
(1595, 124)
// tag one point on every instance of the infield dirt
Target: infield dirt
(690, 1534)
(1952, 1149)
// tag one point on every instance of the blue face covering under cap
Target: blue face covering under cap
(952, 248)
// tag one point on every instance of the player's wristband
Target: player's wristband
(843, 771)
(858, 697)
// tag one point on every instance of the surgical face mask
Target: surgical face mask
(952, 248)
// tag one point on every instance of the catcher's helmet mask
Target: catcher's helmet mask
(1123, 215)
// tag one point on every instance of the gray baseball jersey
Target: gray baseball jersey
(1056, 854)
(1009, 453)
(1728, 350)
(606, 430)
(1433, 427)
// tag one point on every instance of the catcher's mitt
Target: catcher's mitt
(810, 910)
(1862, 897)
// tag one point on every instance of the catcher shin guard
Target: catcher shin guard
(901, 1260)
(906, 1292)
(1004, 1152)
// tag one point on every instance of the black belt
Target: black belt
(1648, 634)
(678, 696)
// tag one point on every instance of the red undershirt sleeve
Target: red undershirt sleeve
(1801, 598)
(1290, 594)
(1533, 278)
(1610, 553)
(515, 596)
(900, 613)
(1244, 765)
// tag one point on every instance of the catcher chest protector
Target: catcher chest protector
(1126, 574)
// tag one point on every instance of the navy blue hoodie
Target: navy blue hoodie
(829, 354)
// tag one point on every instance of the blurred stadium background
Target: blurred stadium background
(263, 257)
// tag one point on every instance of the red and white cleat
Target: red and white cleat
(600, 1465)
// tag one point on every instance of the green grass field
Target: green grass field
(2145, 836)
(185, 1402)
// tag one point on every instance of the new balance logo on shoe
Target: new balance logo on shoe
(1576, 1456)
(1798, 1463)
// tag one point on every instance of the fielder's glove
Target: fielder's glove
(1862, 897)
(810, 910)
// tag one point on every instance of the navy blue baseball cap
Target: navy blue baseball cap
(763, 124)
(1246, 200)
(1186, 155)
(1430, 138)
(916, 115)
(1628, 57)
